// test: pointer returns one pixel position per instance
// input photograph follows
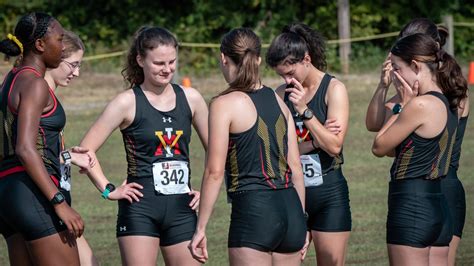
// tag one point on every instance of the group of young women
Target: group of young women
(280, 151)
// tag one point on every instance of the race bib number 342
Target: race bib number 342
(171, 177)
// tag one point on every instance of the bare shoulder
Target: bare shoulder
(423, 104)
(280, 90)
(336, 87)
(192, 94)
(124, 100)
(336, 93)
(282, 105)
(233, 100)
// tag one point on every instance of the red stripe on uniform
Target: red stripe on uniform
(10, 171)
(18, 169)
(263, 171)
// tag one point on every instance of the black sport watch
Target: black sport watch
(58, 198)
(67, 159)
(307, 114)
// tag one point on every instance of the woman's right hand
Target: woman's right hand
(126, 191)
(70, 218)
(199, 241)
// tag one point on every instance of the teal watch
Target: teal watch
(397, 108)
(108, 188)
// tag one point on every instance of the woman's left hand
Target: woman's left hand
(404, 90)
(194, 204)
(297, 96)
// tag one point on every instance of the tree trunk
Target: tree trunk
(344, 33)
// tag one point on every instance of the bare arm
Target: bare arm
(116, 114)
(200, 115)
(33, 98)
(338, 109)
(219, 124)
(376, 112)
(294, 161)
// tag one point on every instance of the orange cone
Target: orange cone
(471, 73)
(186, 82)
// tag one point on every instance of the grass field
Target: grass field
(367, 175)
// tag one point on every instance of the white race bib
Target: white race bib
(313, 176)
(65, 181)
(171, 177)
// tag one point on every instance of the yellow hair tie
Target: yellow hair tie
(15, 40)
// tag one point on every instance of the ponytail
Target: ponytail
(450, 79)
(242, 46)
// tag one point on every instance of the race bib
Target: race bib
(65, 181)
(313, 176)
(171, 177)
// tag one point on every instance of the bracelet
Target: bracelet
(108, 188)
(106, 193)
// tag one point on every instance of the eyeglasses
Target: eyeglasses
(73, 66)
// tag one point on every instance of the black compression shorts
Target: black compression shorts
(25, 210)
(267, 220)
(167, 217)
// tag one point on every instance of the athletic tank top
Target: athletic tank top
(48, 141)
(157, 136)
(257, 157)
(426, 158)
(320, 109)
(458, 142)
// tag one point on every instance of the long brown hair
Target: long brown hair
(72, 43)
(449, 77)
(242, 46)
(145, 39)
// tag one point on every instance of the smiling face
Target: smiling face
(68, 69)
(159, 65)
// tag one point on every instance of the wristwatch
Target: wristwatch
(108, 188)
(307, 114)
(58, 198)
(67, 159)
(397, 108)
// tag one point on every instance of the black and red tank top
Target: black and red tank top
(157, 136)
(257, 158)
(427, 158)
(48, 141)
(320, 109)
(458, 142)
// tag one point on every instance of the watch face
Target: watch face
(110, 187)
(397, 108)
(308, 114)
(58, 198)
(66, 155)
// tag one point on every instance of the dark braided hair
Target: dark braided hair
(29, 28)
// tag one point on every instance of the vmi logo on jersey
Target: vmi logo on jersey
(302, 133)
(168, 142)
